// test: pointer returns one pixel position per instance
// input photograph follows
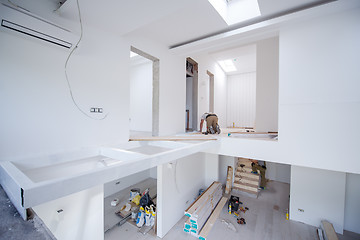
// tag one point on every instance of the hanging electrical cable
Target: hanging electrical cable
(66, 64)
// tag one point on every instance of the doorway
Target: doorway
(191, 95)
(211, 91)
(144, 93)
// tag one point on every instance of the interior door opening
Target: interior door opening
(191, 95)
(144, 94)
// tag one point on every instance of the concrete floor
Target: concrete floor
(265, 219)
(13, 227)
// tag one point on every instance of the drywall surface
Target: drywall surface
(211, 168)
(241, 100)
(122, 183)
(319, 82)
(278, 172)
(352, 206)
(320, 194)
(81, 218)
(178, 186)
(172, 83)
(207, 64)
(40, 116)
(224, 162)
(141, 79)
(189, 100)
(267, 85)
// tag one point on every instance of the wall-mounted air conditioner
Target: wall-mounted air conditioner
(27, 24)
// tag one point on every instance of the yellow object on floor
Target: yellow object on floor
(136, 199)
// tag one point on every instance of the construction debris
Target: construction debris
(241, 221)
(229, 224)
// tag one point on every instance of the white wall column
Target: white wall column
(79, 216)
(267, 85)
(316, 195)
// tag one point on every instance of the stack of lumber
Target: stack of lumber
(201, 211)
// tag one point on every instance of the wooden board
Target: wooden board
(195, 205)
(329, 232)
(211, 221)
(229, 180)
(205, 211)
(174, 138)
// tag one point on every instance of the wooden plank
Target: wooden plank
(243, 186)
(229, 180)
(206, 211)
(246, 180)
(211, 221)
(203, 197)
(255, 133)
(329, 232)
(174, 138)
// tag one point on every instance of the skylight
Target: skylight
(227, 65)
(236, 11)
(132, 54)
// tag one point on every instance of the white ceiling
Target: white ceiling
(167, 22)
(244, 58)
(199, 19)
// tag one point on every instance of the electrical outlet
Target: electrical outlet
(300, 210)
(96, 110)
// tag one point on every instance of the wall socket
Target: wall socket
(300, 210)
(96, 110)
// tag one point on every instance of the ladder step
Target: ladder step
(246, 186)
(251, 185)
(246, 190)
(247, 181)
(247, 175)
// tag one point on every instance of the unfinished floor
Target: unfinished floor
(13, 227)
(264, 220)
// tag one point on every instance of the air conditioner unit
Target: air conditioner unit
(25, 23)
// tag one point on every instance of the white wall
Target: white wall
(319, 101)
(224, 162)
(178, 186)
(320, 193)
(82, 217)
(352, 206)
(241, 100)
(141, 87)
(267, 85)
(278, 172)
(122, 183)
(40, 116)
(211, 168)
(206, 63)
(189, 100)
(172, 84)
